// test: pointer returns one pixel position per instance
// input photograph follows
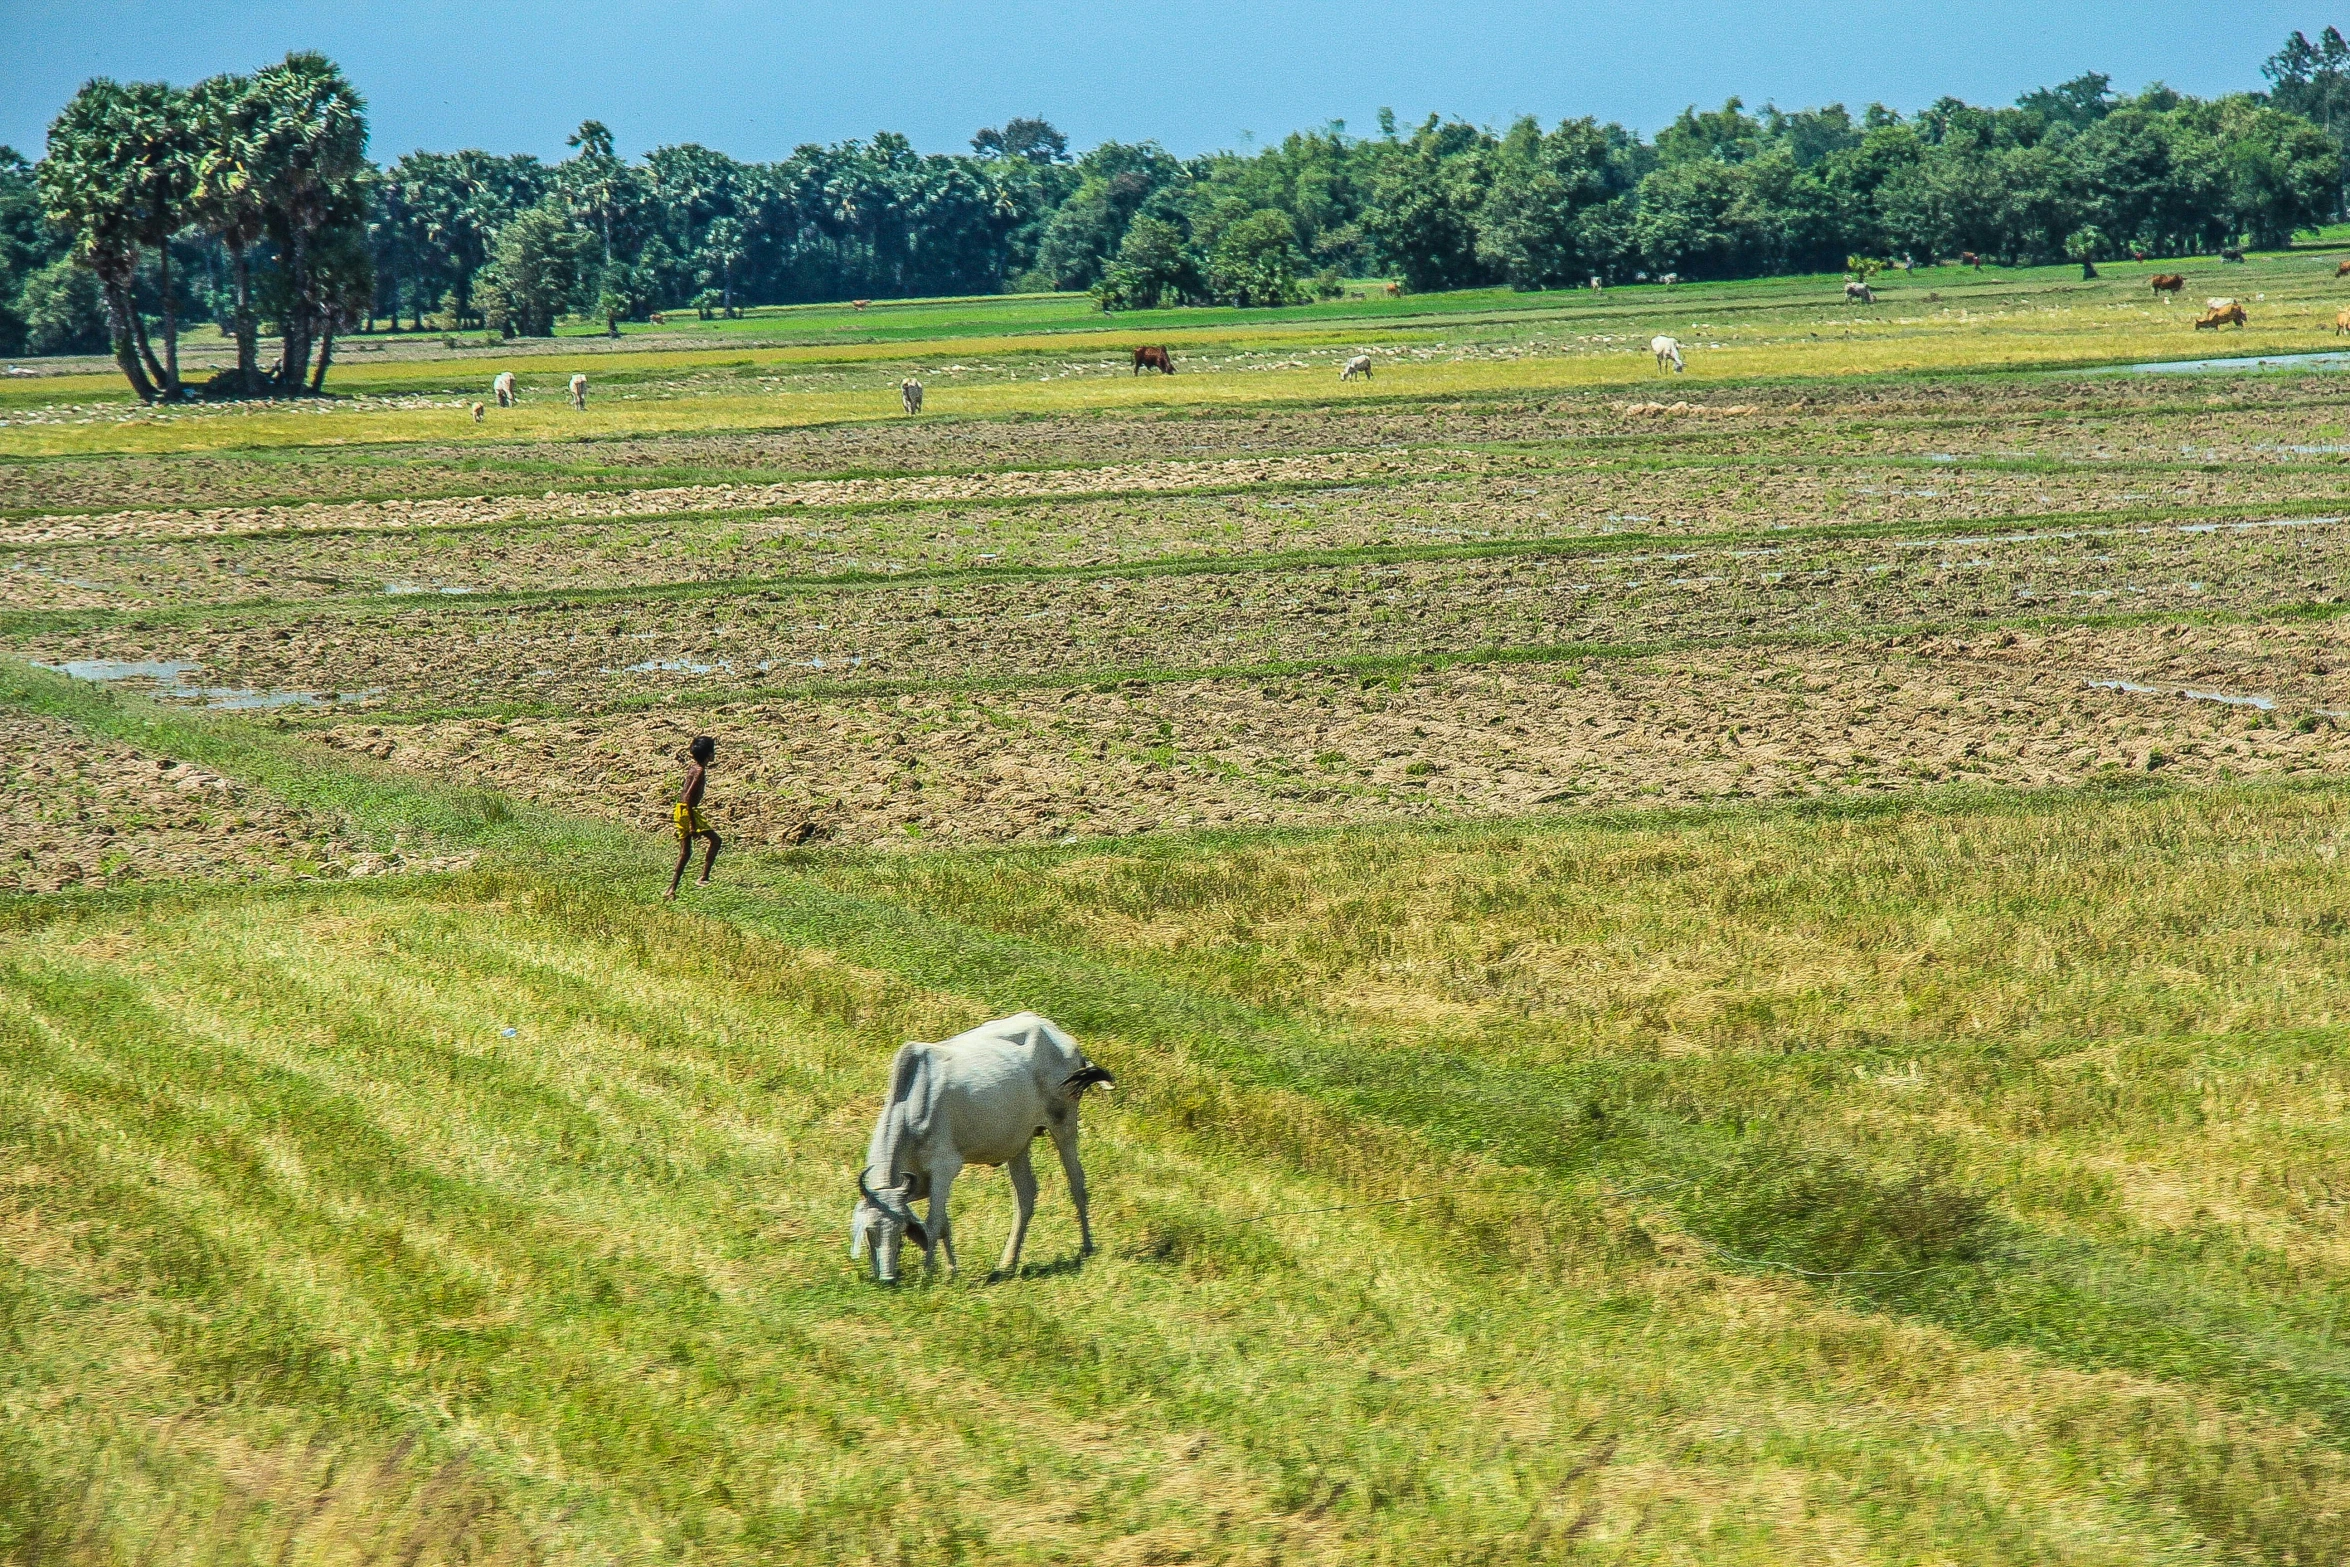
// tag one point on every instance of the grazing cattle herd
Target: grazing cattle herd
(1670, 354)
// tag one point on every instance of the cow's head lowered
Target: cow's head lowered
(882, 1222)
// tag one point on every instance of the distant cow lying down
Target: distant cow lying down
(2215, 319)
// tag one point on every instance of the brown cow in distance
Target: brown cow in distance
(2169, 283)
(1394, 290)
(1153, 358)
(859, 304)
(2213, 320)
(2341, 322)
(1967, 258)
(2343, 270)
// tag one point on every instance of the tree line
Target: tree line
(249, 201)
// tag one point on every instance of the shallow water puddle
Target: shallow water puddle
(168, 679)
(2265, 704)
(2330, 361)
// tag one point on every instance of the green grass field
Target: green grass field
(1687, 987)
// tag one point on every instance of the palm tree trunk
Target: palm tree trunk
(326, 354)
(295, 361)
(120, 312)
(248, 352)
(171, 327)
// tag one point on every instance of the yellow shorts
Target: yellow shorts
(690, 821)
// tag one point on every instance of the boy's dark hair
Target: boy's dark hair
(702, 749)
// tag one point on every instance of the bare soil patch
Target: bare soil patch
(586, 655)
(76, 811)
(460, 547)
(1317, 750)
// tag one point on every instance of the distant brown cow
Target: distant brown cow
(1393, 289)
(1967, 258)
(2341, 322)
(1153, 358)
(859, 304)
(2343, 270)
(2231, 253)
(2169, 283)
(2215, 319)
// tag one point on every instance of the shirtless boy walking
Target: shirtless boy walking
(691, 824)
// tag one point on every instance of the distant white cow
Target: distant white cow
(1360, 365)
(579, 391)
(981, 1097)
(1857, 292)
(2220, 304)
(1670, 278)
(503, 389)
(1597, 284)
(1667, 351)
(910, 393)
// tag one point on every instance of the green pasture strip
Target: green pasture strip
(1760, 1137)
(364, 605)
(577, 1292)
(1748, 1147)
(1830, 383)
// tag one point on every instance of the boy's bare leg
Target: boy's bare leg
(708, 860)
(685, 853)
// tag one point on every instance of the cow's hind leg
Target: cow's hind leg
(1023, 1176)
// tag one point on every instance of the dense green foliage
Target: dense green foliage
(249, 197)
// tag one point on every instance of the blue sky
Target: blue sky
(757, 79)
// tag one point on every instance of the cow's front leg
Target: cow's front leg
(1065, 1140)
(1023, 1176)
(942, 1234)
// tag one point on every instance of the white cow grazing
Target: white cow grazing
(579, 391)
(1670, 279)
(503, 389)
(1360, 365)
(1667, 349)
(1858, 292)
(910, 393)
(2219, 304)
(979, 1098)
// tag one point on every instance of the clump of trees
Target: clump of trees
(249, 201)
(263, 179)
